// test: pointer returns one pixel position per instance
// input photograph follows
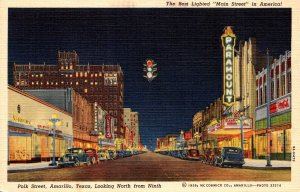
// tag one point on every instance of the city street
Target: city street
(151, 167)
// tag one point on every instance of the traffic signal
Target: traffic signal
(150, 69)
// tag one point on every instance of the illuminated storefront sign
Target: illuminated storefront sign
(108, 128)
(228, 42)
(232, 123)
(21, 120)
(281, 105)
(187, 135)
(214, 128)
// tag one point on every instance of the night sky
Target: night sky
(185, 43)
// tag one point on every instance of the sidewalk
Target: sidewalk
(261, 164)
(19, 167)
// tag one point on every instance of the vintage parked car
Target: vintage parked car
(120, 153)
(103, 155)
(192, 154)
(74, 157)
(112, 154)
(92, 153)
(230, 156)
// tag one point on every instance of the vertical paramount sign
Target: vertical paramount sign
(228, 43)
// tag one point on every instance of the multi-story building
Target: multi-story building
(135, 128)
(280, 110)
(82, 112)
(197, 121)
(30, 136)
(96, 82)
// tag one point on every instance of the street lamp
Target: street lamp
(54, 121)
(268, 112)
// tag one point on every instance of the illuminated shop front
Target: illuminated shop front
(228, 133)
(280, 110)
(29, 132)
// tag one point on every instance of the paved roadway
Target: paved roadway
(151, 167)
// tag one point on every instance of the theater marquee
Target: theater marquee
(228, 43)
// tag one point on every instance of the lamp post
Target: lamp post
(182, 139)
(268, 112)
(53, 120)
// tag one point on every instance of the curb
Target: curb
(29, 170)
(266, 168)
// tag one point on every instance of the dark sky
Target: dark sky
(185, 43)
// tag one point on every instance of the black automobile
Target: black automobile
(230, 156)
(74, 157)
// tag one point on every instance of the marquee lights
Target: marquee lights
(228, 42)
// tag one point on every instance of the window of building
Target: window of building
(71, 67)
(76, 82)
(71, 75)
(62, 67)
(66, 75)
(278, 88)
(76, 74)
(62, 82)
(261, 96)
(85, 90)
(32, 83)
(289, 82)
(96, 83)
(85, 80)
(56, 83)
(100, 74)
(92, 74)
(92, 83)
(67, 67)
(272, 89)
(71, 83)
(81, 74)
(96, 74)
(36, 75)
(265, 93)
(42, 83)
(47, 83)
(283, 85)
(85, 74)
(41, 75)
(51, 83)
(32, 75)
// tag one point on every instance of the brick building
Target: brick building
(97, 83)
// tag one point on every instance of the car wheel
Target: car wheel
(77, 163)
(88, 161)
(93, 160)
(216, 163)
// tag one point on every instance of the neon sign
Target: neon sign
(228, 42)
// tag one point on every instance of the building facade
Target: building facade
(82, 113)
(97, 83)
(280, 110)
(30, 136)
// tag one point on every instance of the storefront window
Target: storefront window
(261, 146)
